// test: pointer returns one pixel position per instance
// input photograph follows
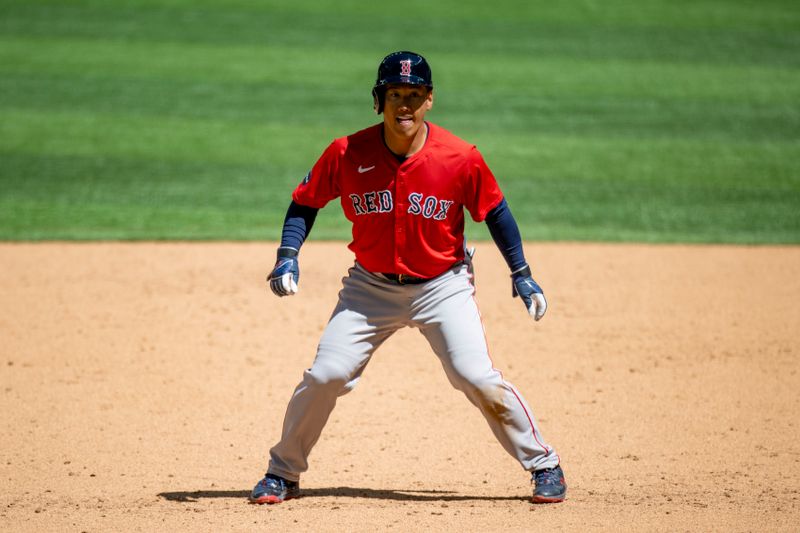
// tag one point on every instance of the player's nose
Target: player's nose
(406, 106)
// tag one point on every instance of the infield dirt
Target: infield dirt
(143, 384)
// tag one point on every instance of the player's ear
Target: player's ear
(429, 99)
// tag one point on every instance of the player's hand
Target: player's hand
(529, 291)
(469, 253)
(285, 275)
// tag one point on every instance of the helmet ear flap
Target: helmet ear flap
(377, 99)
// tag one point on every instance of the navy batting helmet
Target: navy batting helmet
(400, 67)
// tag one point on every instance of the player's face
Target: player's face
(405, 107)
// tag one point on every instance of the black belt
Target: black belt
(404, 279)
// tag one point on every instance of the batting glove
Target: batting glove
(284, 277)
(469, 253)
(530, 292)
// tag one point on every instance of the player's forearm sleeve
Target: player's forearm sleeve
(297, 225)
(505, 233)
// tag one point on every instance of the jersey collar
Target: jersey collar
(402, 159)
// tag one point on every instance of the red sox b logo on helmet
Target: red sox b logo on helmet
(405, 67)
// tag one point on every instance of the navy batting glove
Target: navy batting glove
(284, 277)
(529, 291)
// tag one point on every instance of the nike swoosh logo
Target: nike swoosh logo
(361, 169)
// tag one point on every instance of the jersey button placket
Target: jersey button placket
(400, 219)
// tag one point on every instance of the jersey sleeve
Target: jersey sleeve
(321, 184)
(481, 192)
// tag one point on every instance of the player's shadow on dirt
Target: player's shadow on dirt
(341, 492)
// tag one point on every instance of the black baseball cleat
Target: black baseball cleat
(274, 489)
(550, 486)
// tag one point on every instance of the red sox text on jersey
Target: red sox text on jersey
(407, 216)
(381, 202)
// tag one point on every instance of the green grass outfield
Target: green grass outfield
(653, 121)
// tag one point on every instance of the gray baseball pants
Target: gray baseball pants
(369, 310)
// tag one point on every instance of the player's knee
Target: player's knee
(489, 395)
(479, 385)
(326, 376)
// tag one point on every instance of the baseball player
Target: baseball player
(404, 185)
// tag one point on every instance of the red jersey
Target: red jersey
(408, 217)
